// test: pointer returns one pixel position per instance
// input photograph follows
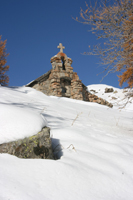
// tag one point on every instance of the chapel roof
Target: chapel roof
(39, 79)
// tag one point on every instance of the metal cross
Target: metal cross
(61, 47)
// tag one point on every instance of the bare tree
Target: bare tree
(113, 23)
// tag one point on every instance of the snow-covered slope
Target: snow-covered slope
(94, 144)
(119, 97)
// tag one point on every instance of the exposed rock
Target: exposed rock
(115, 91)
(93, 91)
(114, 98)
(109, 104)
(36, 146)
(108, 90)
(96, 99)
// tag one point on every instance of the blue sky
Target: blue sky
(34, 28)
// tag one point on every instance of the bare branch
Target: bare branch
(114, 24)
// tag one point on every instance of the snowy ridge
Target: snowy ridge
(95, 147)
(118, 98)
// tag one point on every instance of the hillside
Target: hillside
(94, 144)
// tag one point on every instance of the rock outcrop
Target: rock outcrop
(36, 146)
(108, 90)
(94, 98)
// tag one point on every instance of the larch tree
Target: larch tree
(113, 24)
(127, 75)
(4, 79)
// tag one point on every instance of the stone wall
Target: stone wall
(43, 86)
(61, 81)
(73, 86)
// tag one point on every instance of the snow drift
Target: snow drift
(94, 142)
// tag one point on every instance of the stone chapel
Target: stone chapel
(61, 81)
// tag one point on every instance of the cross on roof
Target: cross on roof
(61, 47)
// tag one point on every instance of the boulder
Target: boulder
(109, 104)
(36, 146)
(107, 90)
(93, 91)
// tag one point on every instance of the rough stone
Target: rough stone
(108, 90)
(36, 146)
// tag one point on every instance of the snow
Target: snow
(94, 144)
(18, 118)
(118, 98)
